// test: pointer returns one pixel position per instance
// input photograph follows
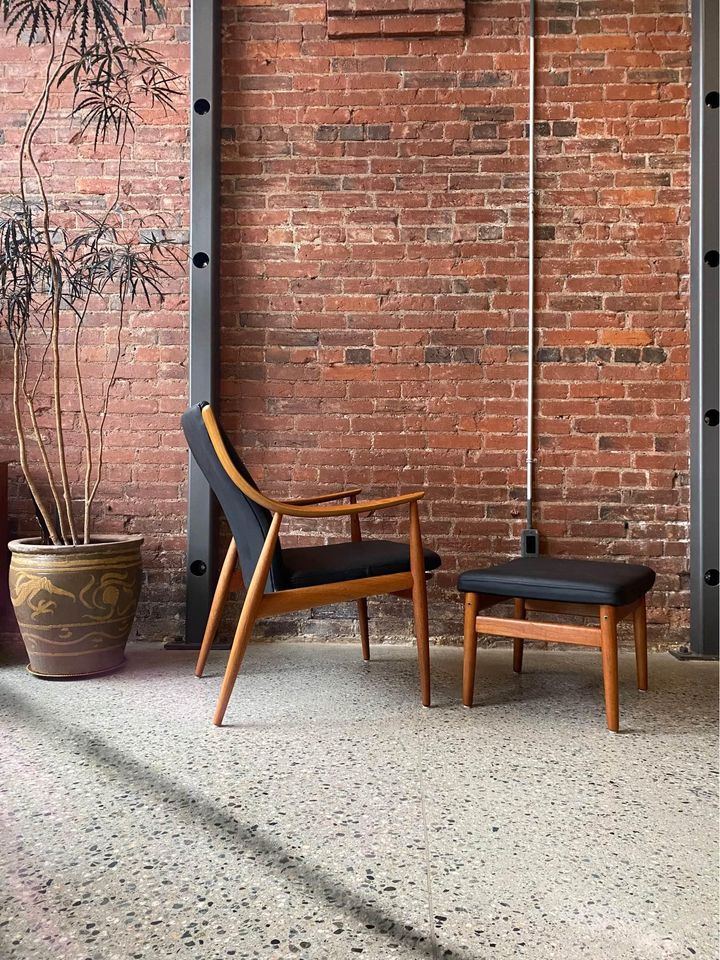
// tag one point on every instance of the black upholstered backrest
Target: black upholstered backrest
(249, 521)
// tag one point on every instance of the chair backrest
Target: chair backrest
(249, 521)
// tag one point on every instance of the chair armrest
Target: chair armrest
(325, 497)
(290, 509)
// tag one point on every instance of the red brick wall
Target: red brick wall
(374, 277)
(375, 274)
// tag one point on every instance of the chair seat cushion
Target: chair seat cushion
(556, 578)
(311, 566)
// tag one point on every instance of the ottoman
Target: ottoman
(587, 588)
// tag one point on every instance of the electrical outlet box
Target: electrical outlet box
(530, 543)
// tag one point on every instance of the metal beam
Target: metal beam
(204, 274)
(704, 343)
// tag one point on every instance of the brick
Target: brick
(496, 114)
(351, 131)
(548, 355)
(653, 76)
(484, 131)
(564, 128)
(627, 355)
(357, 355)
(325, 133)
(438, 355)
(653, 355)
(625, 337)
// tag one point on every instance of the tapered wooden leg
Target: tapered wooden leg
(419, 601)
(608, 637)
(218, 603)
(356, 537)
(518, 644)
(470, 648)
(641, 658)
(364, 631)
(253, 598)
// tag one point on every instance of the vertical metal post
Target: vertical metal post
(204, 257)
(529, 537)
(531, 267)
(704, 342)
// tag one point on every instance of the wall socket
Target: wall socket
(530, 543)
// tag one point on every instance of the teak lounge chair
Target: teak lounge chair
(282, 580)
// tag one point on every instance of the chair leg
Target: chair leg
(608, 637)
(364, 631)
(641, 657)
(218, 603)
(470, 648)
(518, 644)
(419, 600)
(356, 537)
(253, 599)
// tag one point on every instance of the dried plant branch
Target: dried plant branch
(103, 415)
(37, 434)
(40, 503)
(51, 273)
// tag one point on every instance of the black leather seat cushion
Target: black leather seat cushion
(310, 566)
(557, 578)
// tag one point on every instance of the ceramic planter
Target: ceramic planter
(75, 605)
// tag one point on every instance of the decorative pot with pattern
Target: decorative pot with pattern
(75, 605)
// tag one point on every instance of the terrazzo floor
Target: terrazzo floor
(333, 817)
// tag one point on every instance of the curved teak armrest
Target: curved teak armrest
(288, 508)
(326, 497)
(345, 510)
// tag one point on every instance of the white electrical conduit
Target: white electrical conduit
(531, 266)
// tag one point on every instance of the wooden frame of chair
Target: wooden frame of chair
(258, 604)
(604, 637)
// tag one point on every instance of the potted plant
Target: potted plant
(74, 591)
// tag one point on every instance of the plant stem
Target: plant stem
(23, 450)
(89, 495)
(106, 401)
(29, 398)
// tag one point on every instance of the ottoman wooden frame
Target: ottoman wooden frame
(603, 637)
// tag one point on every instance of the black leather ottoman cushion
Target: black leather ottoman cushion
(561, 579)
(311, 566)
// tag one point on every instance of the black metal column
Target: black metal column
(204, 274)
(705, 345)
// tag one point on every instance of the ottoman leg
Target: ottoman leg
(641, 661)
(608, 636)
(470, 645)
(518, 644)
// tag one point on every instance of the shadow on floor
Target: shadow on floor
(204, 815)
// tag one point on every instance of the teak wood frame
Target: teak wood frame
(520, 629)
(258, 604)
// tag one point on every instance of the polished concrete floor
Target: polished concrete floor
(334, 817)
